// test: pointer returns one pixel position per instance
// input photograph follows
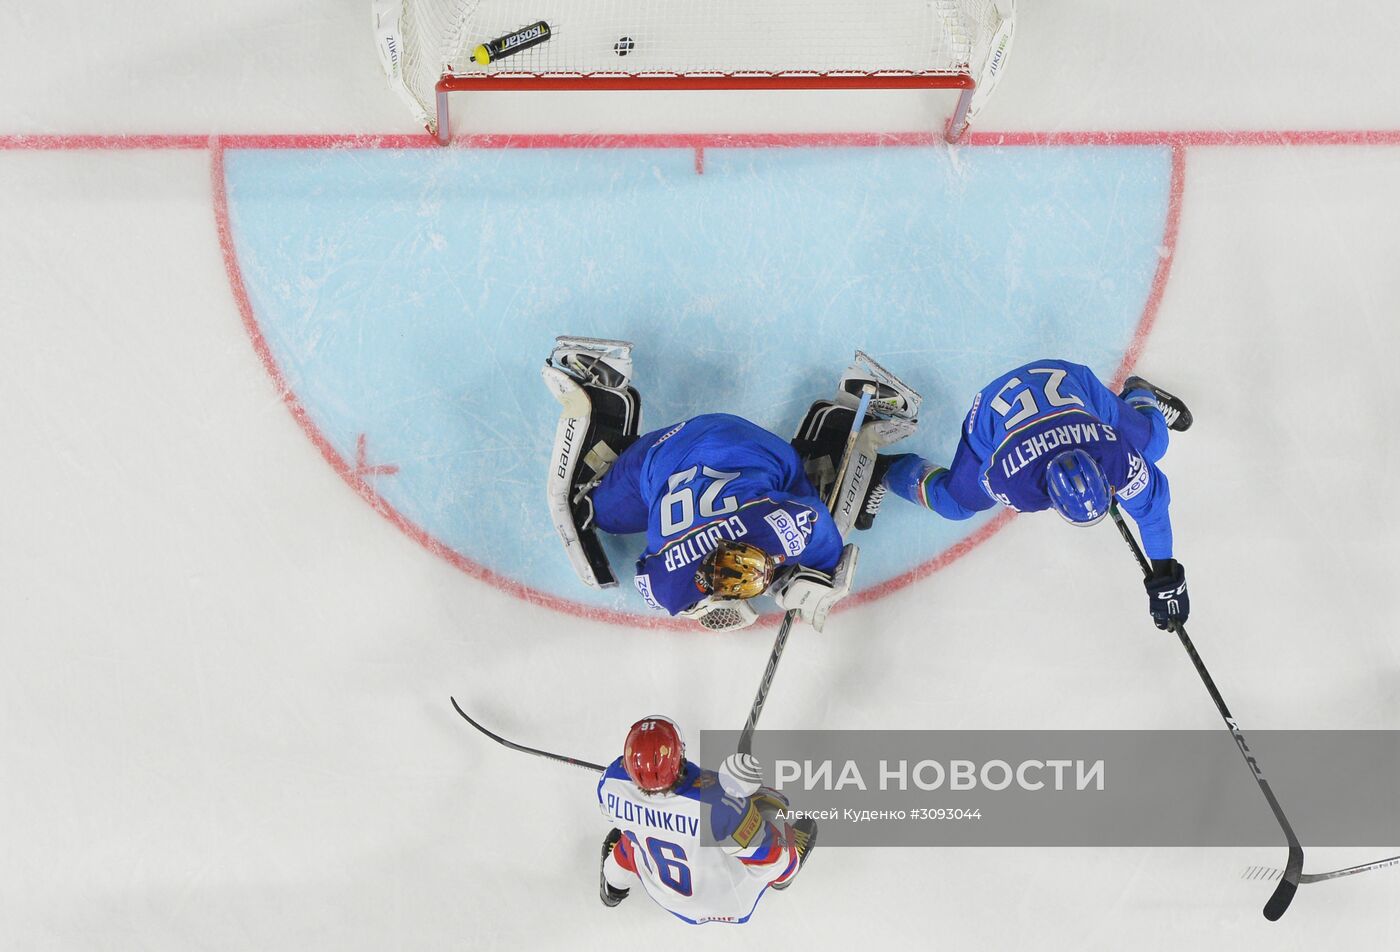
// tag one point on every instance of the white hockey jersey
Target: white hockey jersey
(665, 839)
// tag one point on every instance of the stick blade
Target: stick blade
(1287, 886)
(1279, 901)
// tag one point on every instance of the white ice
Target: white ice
(223, 719)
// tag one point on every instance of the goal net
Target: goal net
(431, 47)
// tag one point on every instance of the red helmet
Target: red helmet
(654, 754)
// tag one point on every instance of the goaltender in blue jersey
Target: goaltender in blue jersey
(1049, 434)
(704, 482)
(730, 510)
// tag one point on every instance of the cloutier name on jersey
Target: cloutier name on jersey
(692, 548)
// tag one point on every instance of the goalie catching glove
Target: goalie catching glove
(812, 593)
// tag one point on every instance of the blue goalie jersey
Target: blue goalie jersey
(707, 479)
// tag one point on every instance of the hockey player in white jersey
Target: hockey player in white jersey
(704, 846)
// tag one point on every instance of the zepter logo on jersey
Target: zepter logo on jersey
(643, 582)
(1138, 476)
(792, 529)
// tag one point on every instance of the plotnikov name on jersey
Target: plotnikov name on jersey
(629, 812)
(1031, 775)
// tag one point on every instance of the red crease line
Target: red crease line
(353, 476)
(348, 473)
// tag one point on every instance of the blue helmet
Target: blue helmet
(1078, 488)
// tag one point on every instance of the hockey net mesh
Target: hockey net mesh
(741, 38)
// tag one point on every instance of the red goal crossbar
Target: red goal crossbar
(633, 82)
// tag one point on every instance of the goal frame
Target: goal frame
(621, 82)
(402, 55)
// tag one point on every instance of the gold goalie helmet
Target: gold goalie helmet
(736, 570)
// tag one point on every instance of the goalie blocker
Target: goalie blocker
(591, 379)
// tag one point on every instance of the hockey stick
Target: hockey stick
(573, 761)
(1293, 870)
(746, 738)
(1270, 873)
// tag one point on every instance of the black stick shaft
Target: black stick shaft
(1288, 885)
(572, 761)
(751, 725)
(779, 643)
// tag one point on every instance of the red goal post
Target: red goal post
(429, 47)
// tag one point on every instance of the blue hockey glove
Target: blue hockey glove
(1167, 598)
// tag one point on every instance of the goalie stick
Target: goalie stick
(746, 738)
(1293, 869)
(572, 761)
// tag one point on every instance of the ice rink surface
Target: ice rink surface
(223, 717)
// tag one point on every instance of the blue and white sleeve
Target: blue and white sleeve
(1147, 497)
(953, 493)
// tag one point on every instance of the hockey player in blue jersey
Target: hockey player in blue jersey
(724, 504)
(728, 508)
(705, 846)
(1049, 434)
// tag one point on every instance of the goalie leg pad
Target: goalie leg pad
(891, 416)
(876, 494)
(601, 415)
(820, 440)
